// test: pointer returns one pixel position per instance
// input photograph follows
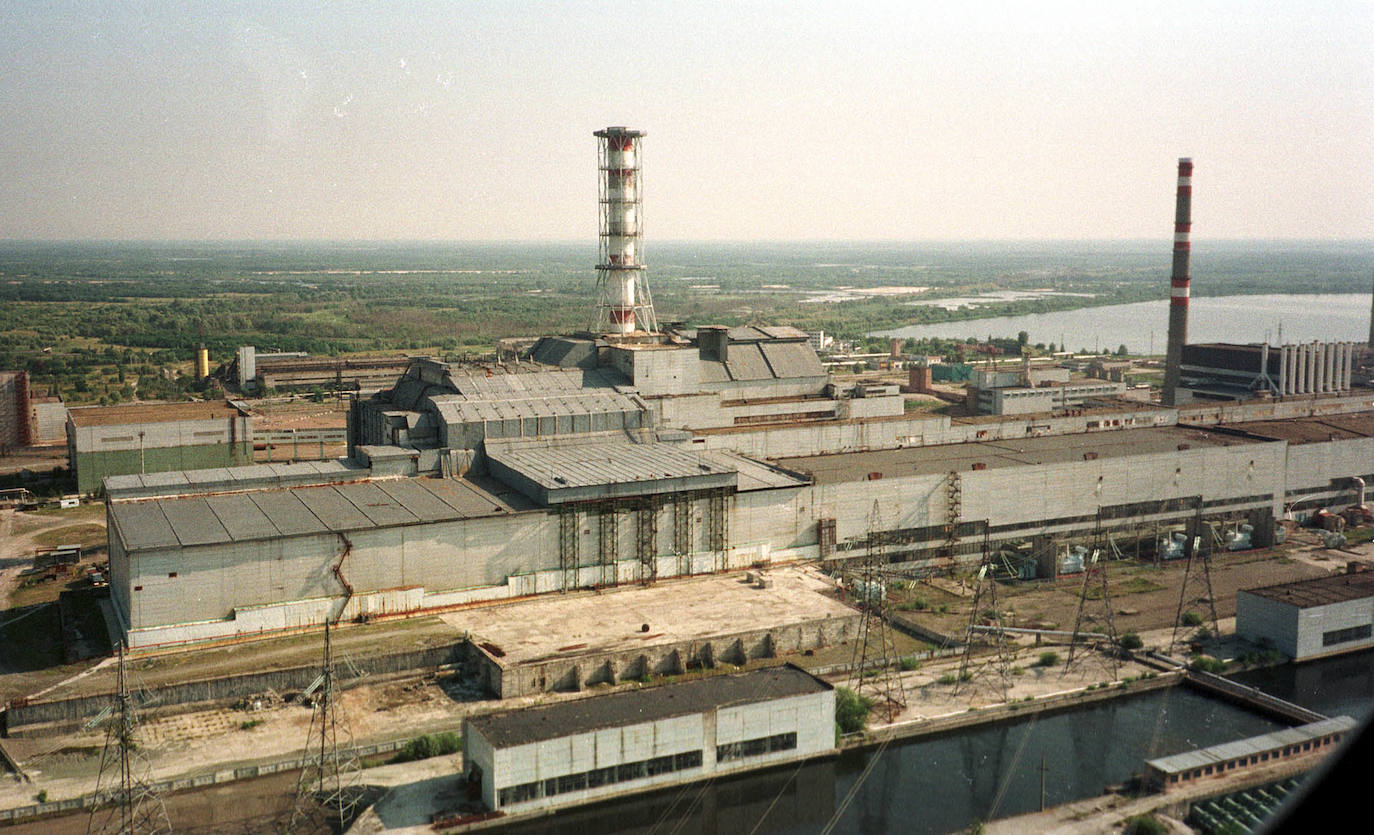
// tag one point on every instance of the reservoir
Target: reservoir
(1143, 326)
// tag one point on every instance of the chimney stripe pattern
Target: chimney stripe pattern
(1179, 281)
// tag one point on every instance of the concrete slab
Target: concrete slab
(675, 611)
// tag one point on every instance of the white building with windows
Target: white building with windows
(1310, 618)
(578, 751)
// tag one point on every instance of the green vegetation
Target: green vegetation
(108, 322)
(1131, 641)
(42, 796)
(909, 663)
(851, 710)
(250, 724)
(1048, 658)
(1191, 618)
(1144, 825)
(429, 745)
(1207, 664)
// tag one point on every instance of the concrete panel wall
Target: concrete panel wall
(1314, 622)
(1264, 621)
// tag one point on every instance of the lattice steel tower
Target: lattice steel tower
(623, 303)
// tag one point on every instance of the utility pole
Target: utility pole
(875, 647)
(1197, 571)
(327, 793)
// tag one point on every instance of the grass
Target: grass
(429, 745)
(87, 535)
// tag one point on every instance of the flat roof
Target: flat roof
(1236, 749)
(565, 471)
(929, 460)
(1322, 591)
(329, 508)
(648, 704)
(152, 413)
(1309, 430)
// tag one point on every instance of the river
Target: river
(946, 783)
(1143, 327)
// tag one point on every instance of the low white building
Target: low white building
(1310, 618)
(578, 751)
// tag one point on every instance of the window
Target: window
(1341, 636)
(756, 747)
(598, 777)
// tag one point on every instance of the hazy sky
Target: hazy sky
(470, 121)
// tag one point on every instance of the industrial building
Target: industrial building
(148, 438)
(253, 371)
(1312, 618)
(1179, 770)
(627, 454)
(15, 425)
(1223, 371)
(573, 752)
(1034, 390)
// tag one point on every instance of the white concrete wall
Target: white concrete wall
(1264, 621)
(1313, 622)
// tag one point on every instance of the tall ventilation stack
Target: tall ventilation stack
(623, 304)
(1178, 282)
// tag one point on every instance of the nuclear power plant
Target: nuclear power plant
(630, 453)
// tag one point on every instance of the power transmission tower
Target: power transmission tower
(1095, 567)
(985, 593)
(328, 791)
(133, 808)
(875, 650)
(1198, 570)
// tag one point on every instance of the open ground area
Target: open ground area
(1144, 600)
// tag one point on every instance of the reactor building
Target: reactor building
(633, 453)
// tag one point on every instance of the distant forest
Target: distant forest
(107, 322)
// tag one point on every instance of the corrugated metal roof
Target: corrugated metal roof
(288, 513)
(563, 466)
(193, 523)
(1253, 745)
(335, 511)
(240, 517)
(142, 525)
(423, 504)
(380, 508)
(649, 704)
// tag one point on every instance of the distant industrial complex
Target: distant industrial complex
(634, 452)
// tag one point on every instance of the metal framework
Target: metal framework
(568, 544)
(1198, 570)
(1095, 567)
(328, 791)
(872, 671)
(646, 539)
(624, 305)
(133, 807)
(718, 525)
(608, 541)
(985, 593)
(682, 532)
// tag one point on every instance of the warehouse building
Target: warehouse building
(155, 438)
(1310, 740)
(1311, 618)
(577, 751)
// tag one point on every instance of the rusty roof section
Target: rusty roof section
(154, 413)
(1323, 591)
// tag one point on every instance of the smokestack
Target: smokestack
(623, 304)
(1178, 282)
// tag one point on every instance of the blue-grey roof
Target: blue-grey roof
(1227, 751)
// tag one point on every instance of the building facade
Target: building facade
(155, 438)
(573, 752)
(1311, 618)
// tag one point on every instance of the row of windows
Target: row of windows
(598, 777)
(755, 747)
(1341, 636)
(1254, 759)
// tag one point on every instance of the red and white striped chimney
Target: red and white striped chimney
(1178, 282)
